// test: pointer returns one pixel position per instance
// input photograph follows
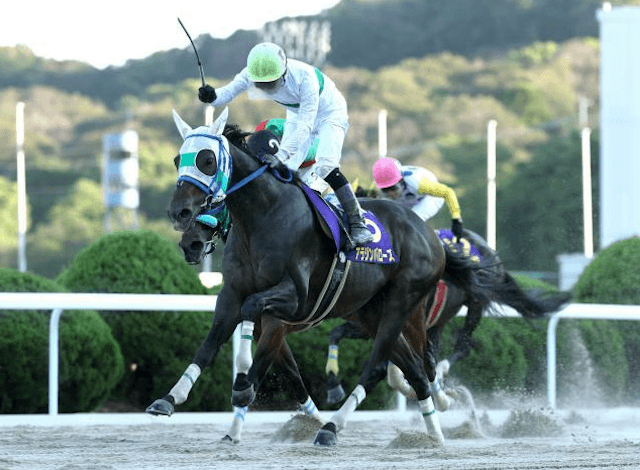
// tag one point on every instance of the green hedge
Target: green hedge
(157, 346)
(90, 360)
(613, 277)
(510, 354)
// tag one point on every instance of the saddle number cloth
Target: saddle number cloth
(380, 250)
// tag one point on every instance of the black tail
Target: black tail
(491, 283)
(464, 274)
(533, 304)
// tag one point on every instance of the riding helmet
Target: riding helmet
(266, 62)
(387, 172)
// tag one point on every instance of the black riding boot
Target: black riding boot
(360, 234)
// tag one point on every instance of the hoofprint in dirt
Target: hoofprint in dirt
(517, 438)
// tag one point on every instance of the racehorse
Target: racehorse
(276, 265)
(502, 289)
(501, 286)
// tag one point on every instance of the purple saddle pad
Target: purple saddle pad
(379, 251)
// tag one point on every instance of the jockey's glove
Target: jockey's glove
(456, 228)
(207, 94)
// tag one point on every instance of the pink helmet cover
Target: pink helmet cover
(386, 172)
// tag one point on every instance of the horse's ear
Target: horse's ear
(218, 125)
(182, 126)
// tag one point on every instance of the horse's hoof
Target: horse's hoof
(240, 398)
(335, 395)
(160, 407)
(229, 439)
(327, 436)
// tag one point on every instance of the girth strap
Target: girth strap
(330, 291)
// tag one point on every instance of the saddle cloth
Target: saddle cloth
(333, 221)
(463, 246)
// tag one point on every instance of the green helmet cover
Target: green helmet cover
(266, 62)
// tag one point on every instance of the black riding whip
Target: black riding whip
(194, 50)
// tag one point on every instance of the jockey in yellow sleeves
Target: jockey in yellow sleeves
(418, 189)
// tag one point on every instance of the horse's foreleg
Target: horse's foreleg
(218, 334)
(279, 298)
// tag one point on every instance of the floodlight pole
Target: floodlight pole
(22, 189)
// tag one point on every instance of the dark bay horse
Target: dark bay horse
(276, 264)
(501, 287)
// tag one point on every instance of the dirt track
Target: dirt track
(522, 439)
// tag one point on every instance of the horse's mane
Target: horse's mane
(236, 136)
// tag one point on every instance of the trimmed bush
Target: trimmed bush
(157, 346)
(497, 362)
(90, 361)
(613, 277)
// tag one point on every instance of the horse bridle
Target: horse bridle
(211, 199)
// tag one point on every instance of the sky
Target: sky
(111, 32)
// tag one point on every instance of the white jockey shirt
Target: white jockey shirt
(415, 178)
(308, 105)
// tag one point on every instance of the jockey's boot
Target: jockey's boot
(360, 234)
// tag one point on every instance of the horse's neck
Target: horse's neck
(250, 203)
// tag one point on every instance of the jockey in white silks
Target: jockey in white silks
(315, 109)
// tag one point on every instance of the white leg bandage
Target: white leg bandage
(442, 368)
(237, 424)
(396, 380)
(442, 400)
(180, 391)
(243, 361)
(310, 408)
(430, 417)
(340, 417)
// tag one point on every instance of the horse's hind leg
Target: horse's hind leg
(335, 392)
(464, 343)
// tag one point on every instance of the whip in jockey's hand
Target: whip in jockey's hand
(456, 228)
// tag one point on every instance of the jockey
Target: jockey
(418, 189)
(315, 109)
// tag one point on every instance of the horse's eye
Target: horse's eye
(206, 162)
(176, 161)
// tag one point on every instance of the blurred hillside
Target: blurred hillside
(441, 71)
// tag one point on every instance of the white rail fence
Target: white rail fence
(58, 302)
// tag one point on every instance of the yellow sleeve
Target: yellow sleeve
(441, 190)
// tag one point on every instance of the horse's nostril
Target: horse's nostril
(197, 246)
(184, 214)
